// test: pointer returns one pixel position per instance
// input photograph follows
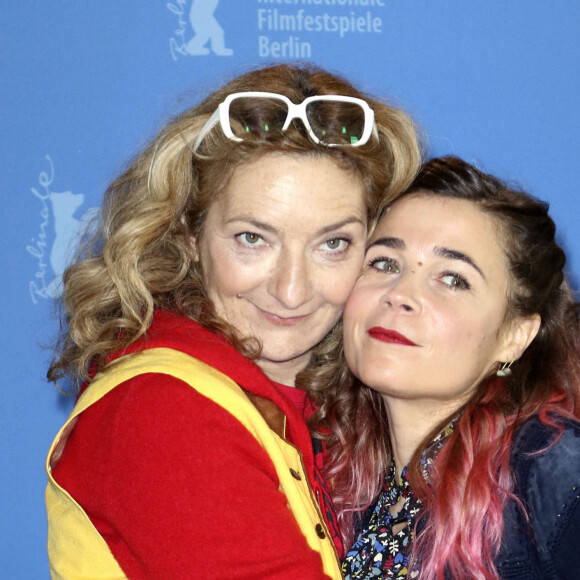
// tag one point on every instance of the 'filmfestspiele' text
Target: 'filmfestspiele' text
(272, 19)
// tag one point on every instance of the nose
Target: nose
(402, 293)
(291, 281)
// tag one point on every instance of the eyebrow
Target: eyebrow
(399, 244)
(268, 228)
(394, 243)
(345, 222)
(256, 223)
(456, 255)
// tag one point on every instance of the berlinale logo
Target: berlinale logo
(58, 235)
(203, 34)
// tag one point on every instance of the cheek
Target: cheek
(460, 331)
(356, 313)
(240, 281)
(336, 285)
(338, 292)
(222, 277)
(367, 298)
(355, 307)
(349, 343)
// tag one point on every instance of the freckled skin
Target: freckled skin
(281, 249)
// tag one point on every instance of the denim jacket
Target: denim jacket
(548, 485)
(547, 482)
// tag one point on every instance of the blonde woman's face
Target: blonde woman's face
(281, 249)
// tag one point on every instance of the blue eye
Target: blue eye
(337, 244)
(387, 265)
(249, 238)
(455, 281)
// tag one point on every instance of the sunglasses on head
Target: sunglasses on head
(331, 120)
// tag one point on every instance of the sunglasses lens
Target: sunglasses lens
(256, 117)
(333, 122)
(336, 122)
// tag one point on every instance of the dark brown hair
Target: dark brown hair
(462, 534)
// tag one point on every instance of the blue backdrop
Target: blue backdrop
(86, 84)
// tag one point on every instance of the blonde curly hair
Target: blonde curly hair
(141, 257)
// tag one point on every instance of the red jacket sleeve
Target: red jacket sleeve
(179, 489)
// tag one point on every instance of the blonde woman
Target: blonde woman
(198, 319)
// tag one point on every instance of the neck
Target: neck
(284, 372)
(409, 424)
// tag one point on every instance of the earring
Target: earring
(504, 370)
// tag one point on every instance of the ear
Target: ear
(192, 241)
(194, 249)
(517, 336)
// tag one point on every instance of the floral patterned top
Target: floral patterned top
(379, 552)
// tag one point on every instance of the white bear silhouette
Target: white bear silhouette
(205, 28)
(68, 230)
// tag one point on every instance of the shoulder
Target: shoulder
(161, 383)
(546, 470)
(547, 448)
(155, 419)
(159, 406)
(546, 458)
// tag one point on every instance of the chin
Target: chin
(283, 352)
(281, 355)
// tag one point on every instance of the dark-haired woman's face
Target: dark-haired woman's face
(425, 320)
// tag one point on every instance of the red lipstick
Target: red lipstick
(390, 336)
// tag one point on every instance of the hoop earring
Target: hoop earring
(504, 370)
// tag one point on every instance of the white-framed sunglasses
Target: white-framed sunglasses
(331, 120)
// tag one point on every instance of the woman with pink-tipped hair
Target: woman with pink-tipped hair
(456, 451)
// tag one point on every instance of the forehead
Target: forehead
(294, 182)
(437, 215)
(426, 220)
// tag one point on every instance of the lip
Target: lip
(389, 336)
(281, 320)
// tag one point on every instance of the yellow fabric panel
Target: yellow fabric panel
(76, 549)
